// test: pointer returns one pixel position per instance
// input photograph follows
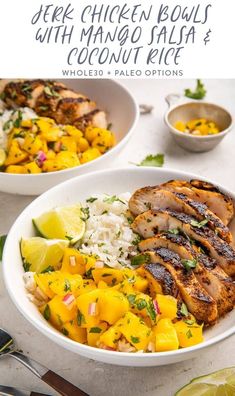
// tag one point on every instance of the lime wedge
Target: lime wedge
(2, 156)
(38, 254)
(61, 223)
(219, 383)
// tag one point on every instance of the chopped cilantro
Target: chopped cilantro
(7, 125)
(184, 310)
(48, 269)
(199, 93)
(67, 285)
(189, 264)
(95, 330)
(50, 92)
(113, 199)
(189, 334)
(140, 259)
(199, 224)
(136, 240)
(26, 266)
(141, 304)
(18, 120)
(153, 160)
(131, 298)
(135, 340)
(65, 331)
(47, 312)
(86, 214)
(80, 319)
(2, 243)
(91, 200)
(151, 311)
(174, 231)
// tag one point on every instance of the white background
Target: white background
(22, 56)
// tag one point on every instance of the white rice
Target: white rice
(7, 115)
(108, 233)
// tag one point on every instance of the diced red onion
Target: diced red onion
(156, 307)
(41, 157)
(72, 261)
(57, 146)
(68, 299)
(92, 309)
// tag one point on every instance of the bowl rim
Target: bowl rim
(206, 137)
(106, 155)
(87, 350)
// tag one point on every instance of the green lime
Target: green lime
(61, 223)
(219, 383)
(2, 156)
(38, 254)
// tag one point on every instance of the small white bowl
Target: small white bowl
(188, 110)
(122, 112)
(69, 192)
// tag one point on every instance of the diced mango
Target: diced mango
(154, 286)
(20, 169)
(73, 131)
(32, 144)
(103, 141)
(83, 144)
(167, 305)
(180, 126)
(165, 336)
(66, 159)
(73, 262)
(112, 305)
(89, 308)
(91, 133)
(75, 332)
(110, 337)
(109, 275)
(67, 283)
(43, 281)
(61, 309)
(88, 285)
(134, 330)
(189, 334)
(140, 284)
(94, 333)
(68, 143)
(90, 155)
(26, 123)
(32, 167)
(15, 154)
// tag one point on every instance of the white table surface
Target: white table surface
(99, 379)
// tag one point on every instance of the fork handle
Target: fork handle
(62, 386)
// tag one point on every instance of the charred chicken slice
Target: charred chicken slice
(151, 222)
(53, 99)
(160, 280)
(198, 190)
(214, 280)
(155, 198)
(198, 301)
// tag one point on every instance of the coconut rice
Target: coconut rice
(108, 233)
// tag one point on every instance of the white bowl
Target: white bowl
(122, 112)
(71, 191)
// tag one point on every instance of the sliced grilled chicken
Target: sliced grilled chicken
(214, 280)
(160, 280)
(198, 301)
(198, 190)
(152, 222)
(48, 99)
(96, 118)
(155, 198)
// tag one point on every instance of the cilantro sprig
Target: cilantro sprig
(153, 160)
(198, 93)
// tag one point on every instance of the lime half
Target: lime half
(2, 156)
(62, 223)
(39, 254)
(219, 383)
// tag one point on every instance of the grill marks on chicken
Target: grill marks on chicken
(151, 222)
(219, 203)
(53, 99)
(198, 301)
(211, 277)
(156, 198)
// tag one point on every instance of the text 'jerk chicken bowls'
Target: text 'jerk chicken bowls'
(123, 273)
(51, 131)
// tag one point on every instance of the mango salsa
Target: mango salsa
(198, 127)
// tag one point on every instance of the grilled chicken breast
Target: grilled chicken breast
(152, 222)
(160, 280)
(198, 301)
(96, 118)
(155, 198)
(212, 278)
(207, 193)
(53, 99)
